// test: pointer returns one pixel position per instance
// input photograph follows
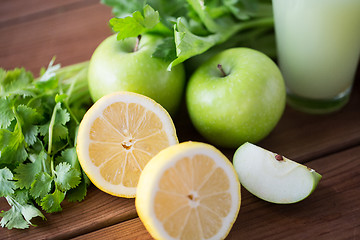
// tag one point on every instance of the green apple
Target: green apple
(273, 177)
(127, 65)
(236, 96)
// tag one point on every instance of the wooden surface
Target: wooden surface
(32, 32)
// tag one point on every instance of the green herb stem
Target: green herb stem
(51, 127)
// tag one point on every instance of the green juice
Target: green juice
(318, 45)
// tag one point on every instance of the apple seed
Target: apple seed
(279, 157)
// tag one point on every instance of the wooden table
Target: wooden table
(32, 32)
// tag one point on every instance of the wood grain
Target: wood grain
(32, 32)
(98, 210)
(129, 230)
(71, 36)
(331, 212)
(17, 11)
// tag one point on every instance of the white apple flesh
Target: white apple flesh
(272, 177)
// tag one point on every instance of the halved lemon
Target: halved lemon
(188, 191)
(118, 135)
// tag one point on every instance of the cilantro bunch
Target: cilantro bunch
(38, 124)
(194, 30)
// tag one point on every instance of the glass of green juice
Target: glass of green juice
(318, 45)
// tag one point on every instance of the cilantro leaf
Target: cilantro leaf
(6, 113)
(69, 156)
(12, 147)
(25, 174)
(36, 115)
(42, 185)
(78, 193)
(66, 177)
(62, 115)
(16, 82)
(6, 185)
(60, 97)
(56, 130)
(50, 72)
(13, 218)
(21, 211)
(60, 131)
(51, 202)
(29, 118)
(136, 24)
(48, 85)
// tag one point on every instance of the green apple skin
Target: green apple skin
(114, 66)
(277, 181)
(245, 105)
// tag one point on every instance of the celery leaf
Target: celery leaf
(136, 24)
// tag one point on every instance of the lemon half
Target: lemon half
(188, 191)
(118, 135)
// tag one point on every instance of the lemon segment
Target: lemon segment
(118, 135)
(188, 191)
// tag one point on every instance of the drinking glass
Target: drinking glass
(318, 44)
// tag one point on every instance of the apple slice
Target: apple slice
(273, 177)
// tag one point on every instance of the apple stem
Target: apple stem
(279, 157)
(136, 48)
(219, 66)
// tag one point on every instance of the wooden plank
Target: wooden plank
(71, 36)
(33, 44)
(98, 210)
(17, 11)
(331, 212)
(128, 230)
